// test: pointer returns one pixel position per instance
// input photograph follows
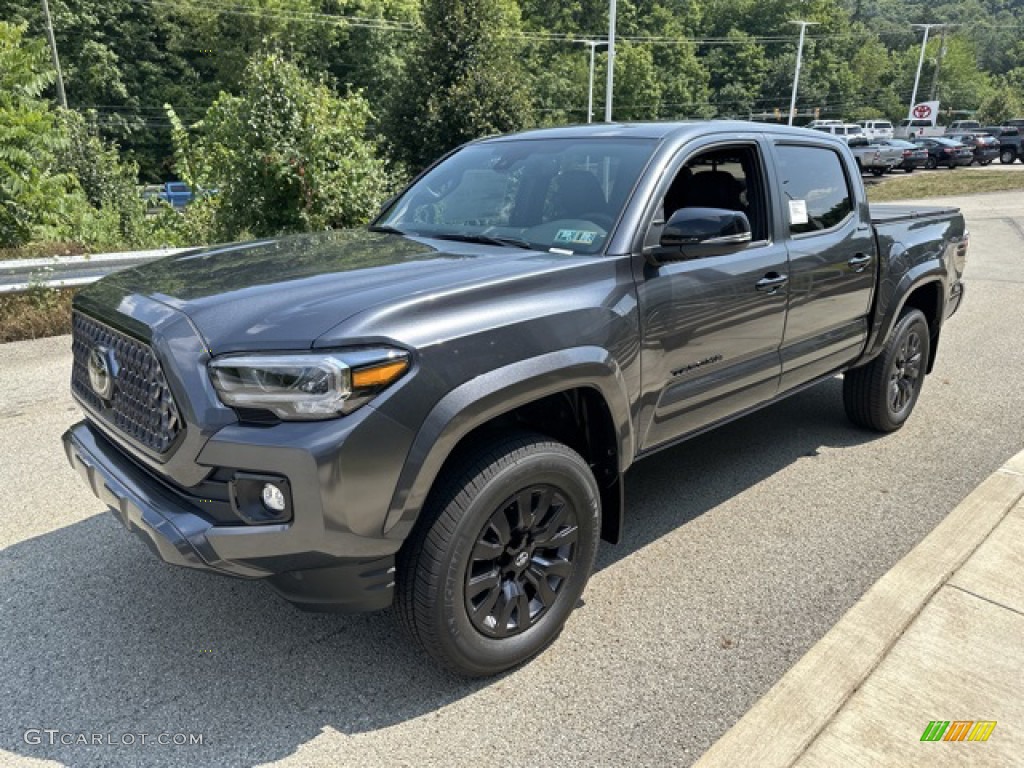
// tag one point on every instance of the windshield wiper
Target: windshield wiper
(387, 228)
(468, 237)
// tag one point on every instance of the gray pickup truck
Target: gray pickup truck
(438, 411)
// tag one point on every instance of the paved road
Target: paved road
(743, 548)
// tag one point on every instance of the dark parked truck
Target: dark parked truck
(438, 411)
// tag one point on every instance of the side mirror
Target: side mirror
(694, 233)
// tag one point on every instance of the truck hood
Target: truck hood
(283, 293)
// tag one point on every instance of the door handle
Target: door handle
(771, 283)
(859, 262)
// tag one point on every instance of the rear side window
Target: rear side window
(815, 186)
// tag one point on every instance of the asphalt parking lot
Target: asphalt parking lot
(743, 547)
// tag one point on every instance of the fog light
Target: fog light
(273, 499)
(261, 499)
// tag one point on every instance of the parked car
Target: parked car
(817, 123)
(874, 157)
(913, 129)
(876, 129)
(942, 151)
(440, 410)
(842, 130)
(984, 146)
(912, 156)
(1010, 142)
(962, 126)
(1017, 122)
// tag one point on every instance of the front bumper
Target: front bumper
(180, 534)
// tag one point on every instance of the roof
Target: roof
(652, 130)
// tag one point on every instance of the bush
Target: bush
(285, 155)
(31, 189)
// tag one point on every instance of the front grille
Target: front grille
(139, 403)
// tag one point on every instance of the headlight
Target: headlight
(306, 386)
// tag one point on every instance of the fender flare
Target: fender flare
(931, 271)
(493, 394)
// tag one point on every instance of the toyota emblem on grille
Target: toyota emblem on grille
(101, 377)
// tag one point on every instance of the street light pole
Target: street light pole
(611, 62)
(799, 57)
(592, 44)
(63, 99)
(920, 63)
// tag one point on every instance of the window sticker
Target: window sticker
(576, 236)
(797, 211)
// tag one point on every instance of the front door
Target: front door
(712, 327)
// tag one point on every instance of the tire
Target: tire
(877, 171)
(487, 521)
(909, 170)
(930, 163)
(882, 394)
(1007, 156)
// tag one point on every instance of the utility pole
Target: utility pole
(920, 63)
(799, 56)
(56, 60)
(938, 64)
(593, 45)
(611, 62)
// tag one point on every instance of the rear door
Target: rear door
(832, 262)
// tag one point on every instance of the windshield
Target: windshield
(547, 194)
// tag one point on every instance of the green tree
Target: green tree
(31, 189)
(287, 154)
(464, 80)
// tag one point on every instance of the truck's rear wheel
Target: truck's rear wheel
(1007, 156)
(881, 395)
(501, 554)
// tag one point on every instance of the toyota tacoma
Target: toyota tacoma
(437, 411)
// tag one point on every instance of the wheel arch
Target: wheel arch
(577, 396)
(924, 288)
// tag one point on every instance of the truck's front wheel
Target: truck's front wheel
(501, 555)
(882, 394)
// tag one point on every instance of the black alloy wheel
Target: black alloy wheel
(906, 373)
(520, 561)
(501, 553)
(882, 394)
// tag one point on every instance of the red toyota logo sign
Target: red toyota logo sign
(922, 111)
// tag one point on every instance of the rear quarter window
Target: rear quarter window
(815, 186)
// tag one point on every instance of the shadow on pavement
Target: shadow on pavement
(99, 638)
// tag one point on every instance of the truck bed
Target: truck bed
(889, 213)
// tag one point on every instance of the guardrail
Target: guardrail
(20, 275)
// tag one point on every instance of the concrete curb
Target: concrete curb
(777, 730)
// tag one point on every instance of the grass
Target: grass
(943, 183)
(37, 314)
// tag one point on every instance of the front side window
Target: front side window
(563, 194)
(728, 178)
(815, 187)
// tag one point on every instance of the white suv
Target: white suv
(842, 130)
(876, 129)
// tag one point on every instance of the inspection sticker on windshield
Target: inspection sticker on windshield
(576, 236)
(797, 211)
